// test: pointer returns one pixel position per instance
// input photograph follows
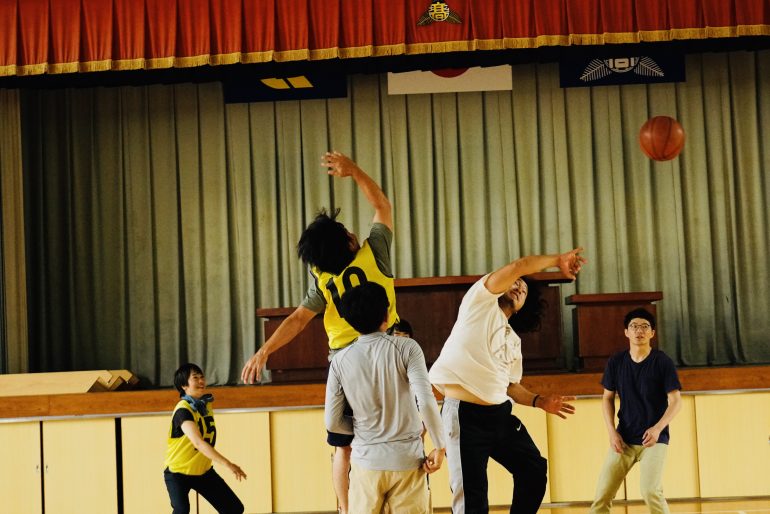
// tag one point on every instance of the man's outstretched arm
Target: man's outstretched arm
(503, 278)
(286, 332)
(341, 165)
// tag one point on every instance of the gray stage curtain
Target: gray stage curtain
(13, 294)
(159, 218)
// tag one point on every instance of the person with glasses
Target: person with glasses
(649, 389)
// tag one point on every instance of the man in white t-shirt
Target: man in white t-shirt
(479, 372)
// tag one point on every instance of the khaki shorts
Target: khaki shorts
(402, 492)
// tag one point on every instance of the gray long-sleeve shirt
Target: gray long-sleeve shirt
(380, 376)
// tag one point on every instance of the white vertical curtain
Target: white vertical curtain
(159, 218)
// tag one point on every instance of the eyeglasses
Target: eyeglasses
(644, 327)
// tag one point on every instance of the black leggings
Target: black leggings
(209, 485)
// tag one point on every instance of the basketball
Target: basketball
(661, 138)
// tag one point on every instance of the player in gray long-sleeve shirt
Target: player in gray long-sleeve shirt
(380, 376)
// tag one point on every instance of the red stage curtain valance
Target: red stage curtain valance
(62, 36)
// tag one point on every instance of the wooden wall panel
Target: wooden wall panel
(80, 466)
(244, 438)
(301, 462)
(733, 444)
(21, 468)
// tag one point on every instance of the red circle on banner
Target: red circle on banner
(449, 73)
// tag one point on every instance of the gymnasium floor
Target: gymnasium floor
(754, 506)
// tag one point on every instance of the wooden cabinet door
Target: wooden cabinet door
(143, 441)
(733, 444)
(80, 466)
(20, 468)
(244, 438)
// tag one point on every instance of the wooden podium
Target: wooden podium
(430, 305)
(597, 321)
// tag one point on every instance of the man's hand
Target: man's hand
(650, 437)
(616, 442)
(339, 165)
(571, 262)
(434, 460)
(237, 471)
(555, 404)
(252, 371)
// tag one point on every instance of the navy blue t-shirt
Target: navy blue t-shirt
(643, 388)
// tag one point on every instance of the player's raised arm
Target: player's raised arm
(341, 165)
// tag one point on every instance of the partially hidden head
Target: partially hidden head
(365, 307)
(402, 328)
(530, 313)
(183, 374)
(326, 244)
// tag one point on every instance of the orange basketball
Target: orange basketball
(661, 138)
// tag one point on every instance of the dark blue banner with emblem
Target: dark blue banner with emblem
(278, 86)
(635, 66)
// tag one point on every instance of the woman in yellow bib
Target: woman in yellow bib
(190, 452)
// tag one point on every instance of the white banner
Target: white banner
(493, 78)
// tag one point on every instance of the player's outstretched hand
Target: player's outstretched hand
(252, 370)
(340, 165)
(571, 262)
(556, 404)
(237, 471)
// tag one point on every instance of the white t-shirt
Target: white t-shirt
(483, 353)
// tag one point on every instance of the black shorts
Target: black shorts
(340, 440)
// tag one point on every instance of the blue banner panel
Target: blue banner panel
(634, 67)
(292, 86)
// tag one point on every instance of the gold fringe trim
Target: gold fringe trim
(556, 40)
(490, 44)
(191, 62)
(64, 67)
(231, 58)
(319, 54)
(129, 64)
(388, 50)
(655, 35)
(291, 55)
(383, 50)
(441, 47)
(352, 52)
(621, 37)
(688, 33)
(257, 57)
(8, 70)
(518, 43)
(91, 66)
(31, 69)
(753, 30)
(156, 63)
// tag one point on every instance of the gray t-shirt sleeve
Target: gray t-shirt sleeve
(314, 300)
(381, 239)
(417, 373)
(334, 411)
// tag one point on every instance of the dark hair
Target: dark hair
(527, 319)
(403, 325)
(325, 244)
(639, 313)
(365, 307)
(182, 375)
